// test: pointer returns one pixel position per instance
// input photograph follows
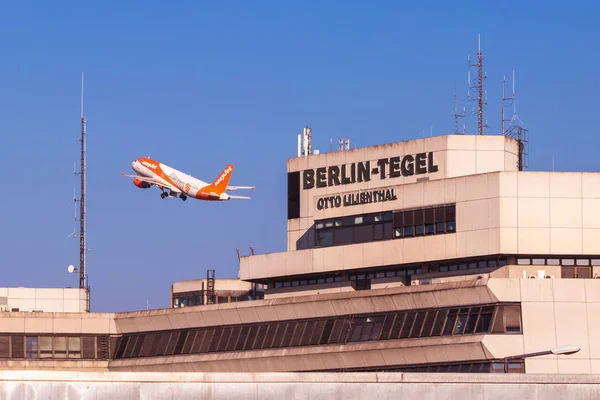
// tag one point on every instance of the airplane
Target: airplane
(174, 183)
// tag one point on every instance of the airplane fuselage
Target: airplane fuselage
(188, 185)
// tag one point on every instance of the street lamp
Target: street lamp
(560, 350)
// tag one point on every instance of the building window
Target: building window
(188, 299)
(576, 272)
(353, 229)
(55, 347)
(338, 330)
(306, 282)
(426, 221)
(31, 347)
(483, 366)
(384, 226)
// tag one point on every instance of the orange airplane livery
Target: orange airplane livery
(174, 183)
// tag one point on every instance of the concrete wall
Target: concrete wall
(220, 285)
(58, 323)
(555, 312)
(25, 385)
(42, 299)
(496, 213)
(455, 155)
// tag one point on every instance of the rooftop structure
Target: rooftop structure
(21, 299)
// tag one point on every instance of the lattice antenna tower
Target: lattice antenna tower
(477, 86)
(83, 281)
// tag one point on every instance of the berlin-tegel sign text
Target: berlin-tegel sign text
(393, 167)
(363, 171)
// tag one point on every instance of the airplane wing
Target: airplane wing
(230, 188)
(154, 181)
(239, 197)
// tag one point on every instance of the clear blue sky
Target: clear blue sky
(199, 84)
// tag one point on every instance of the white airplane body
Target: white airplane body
(174, 183)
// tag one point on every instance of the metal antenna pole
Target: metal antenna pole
(480, 84)
(82, 202)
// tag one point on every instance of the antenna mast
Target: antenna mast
(83, 284)
(478, 84)
(456, 114)
(82, 205)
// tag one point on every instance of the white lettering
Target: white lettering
(223, 175)
(149, 165)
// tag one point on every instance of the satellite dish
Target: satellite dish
(71, 269)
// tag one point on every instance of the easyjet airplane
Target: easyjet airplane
(175, 183)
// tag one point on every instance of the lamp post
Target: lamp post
(560, 350)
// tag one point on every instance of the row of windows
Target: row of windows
(570, 267)
(384, 226)
(569, 261)
(304, 282)
(188, 299)
(399, 271)
(55, 347)
(384, 274)
(323, 331)
(487, 366)
(196, 298)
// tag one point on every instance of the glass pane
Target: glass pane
(460, 325)
(74, 347)
(388, 231)
(343, 236)
(471, 323)
(364, 233)
(45, 343)
(484, 323)
(584, 272)
(449, 325)
(31, 347)
(324, 237)
(378, 232)
(440, 227)
(60, 347)
(567, 272)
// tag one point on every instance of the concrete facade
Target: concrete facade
(15, 299)
(499, 211)
(552, 313)
(25, 385)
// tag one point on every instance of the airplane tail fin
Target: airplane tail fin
(220, 184)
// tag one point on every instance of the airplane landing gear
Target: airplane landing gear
(183, 197)
(164, 195)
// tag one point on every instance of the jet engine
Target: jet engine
(141, 184)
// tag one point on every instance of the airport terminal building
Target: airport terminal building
(428, 255)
